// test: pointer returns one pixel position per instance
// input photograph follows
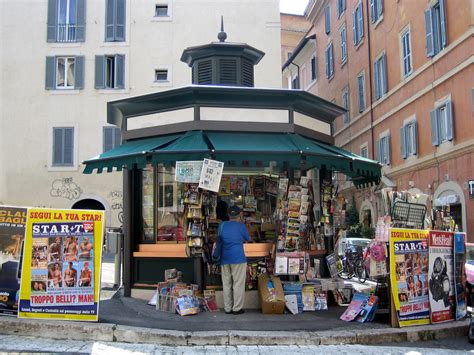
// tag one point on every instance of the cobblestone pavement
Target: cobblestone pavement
(17, 344)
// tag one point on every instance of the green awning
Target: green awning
(128, 154)
(240, 149)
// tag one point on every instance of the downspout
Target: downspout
(298, 82)
(372, 143)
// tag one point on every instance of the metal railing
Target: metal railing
(66, 33)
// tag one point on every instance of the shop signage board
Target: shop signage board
(409, 275)
(188, 171)
(61, 265)
(460, 274)
(211, 175)
(12, 231)
(441, 276)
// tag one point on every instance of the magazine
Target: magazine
(210, 300)
(355, 307)
(367, 313)
(321, 301)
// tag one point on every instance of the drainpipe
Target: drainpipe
(370, 82)
(298, 82)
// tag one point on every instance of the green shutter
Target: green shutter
(79, 72)
(80, 20)
(99, 72)
(50, 78)
(52, 30)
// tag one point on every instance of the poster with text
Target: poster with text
(211, 175)
(12, 231)
(188, 171)
(409, 275)
(61, 264)
(460, 274)
(441, 276)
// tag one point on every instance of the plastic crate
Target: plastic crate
(166, 303)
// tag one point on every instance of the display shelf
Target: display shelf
(315, 252)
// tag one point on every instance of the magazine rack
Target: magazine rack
(408, 215)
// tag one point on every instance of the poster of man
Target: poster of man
(70, 248)
(38, 286)
(85, 279)
(86, 247)
(55, 277)
(54, 249)
(70, 274)
(39, 258)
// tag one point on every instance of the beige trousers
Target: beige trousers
(233, 284)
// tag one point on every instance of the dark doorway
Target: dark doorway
(88, 204)
(456, 213)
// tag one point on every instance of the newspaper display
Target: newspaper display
(441, 276)
(409, 275)
(12, 232)
(211, 175)
(460, 274)
(188, 171)
(61, 265)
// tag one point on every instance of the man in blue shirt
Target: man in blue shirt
(230, 244)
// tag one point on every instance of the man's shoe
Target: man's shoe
(230, 312)
(240, 311)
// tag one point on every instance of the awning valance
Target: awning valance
(239, 149)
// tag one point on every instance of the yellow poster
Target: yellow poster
(409, 275)
(61, 265)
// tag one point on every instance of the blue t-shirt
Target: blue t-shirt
(231, 242)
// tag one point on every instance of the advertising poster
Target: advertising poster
(61, 265)
(409, 275)
(460, 274)
(441, 276)
(188, 171)
(211, 174)
(12, 231)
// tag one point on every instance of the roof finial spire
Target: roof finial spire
(221, 36)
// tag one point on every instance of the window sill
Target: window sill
(331, 77)
(166, 83)
(406, 76)
(359, 44)
(115, 44)
(376, 23)
(162, 19)
(65, 44)
(344, 61)
(63, 168)
(112, 91)
(64, 91)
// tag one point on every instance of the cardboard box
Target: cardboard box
(276, 306)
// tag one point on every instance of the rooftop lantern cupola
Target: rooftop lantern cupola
(222, 63)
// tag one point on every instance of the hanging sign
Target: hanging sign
(12, 231)
(460, 274)
(441, 276)
(408, 275)
(61, 265)
(211, 174)
(188, 171)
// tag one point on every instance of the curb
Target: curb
(126, 334)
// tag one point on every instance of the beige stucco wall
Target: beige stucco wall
(28, 111)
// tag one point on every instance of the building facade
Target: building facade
(59, 72)
(404, 71)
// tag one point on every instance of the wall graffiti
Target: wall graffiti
(117, 205)
(65, 188)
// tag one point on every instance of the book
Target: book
(281, 264)
(355, 307)
(293, 266)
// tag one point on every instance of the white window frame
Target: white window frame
(410, 139)
(384, 156)
(383, 75)
(340, 11)
(169, 17)
(377, 18)
(115, 143)
(161, 83)
(66, 32)
(364, 147)
(330, 61)
(343, 39)
(406, 58)
(359, 33)
(361, 75)
(66, 59)
(74, 166)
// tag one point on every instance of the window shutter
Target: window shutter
(361, 22)
(331, 60)
(380, 7)
(120, 71)
(107, 139)
(79, 72)
(110, 21)
(57, 146)
(68, 146)
(204, 72)
(117, 137)
(343, 5)
(449, 118)
(52, 20)
(361, 81)
(378, 156)
(372, 10)
(327, 62)
(403, 143)
(50, 79)
(415, 138)
(247, 73)
(377, 79)
(429, 33)
(120, 21)
(387, 149)
(434, 128)
(80, 20)
(327, 18)
(99, 72)
(354, 27)
(442, 20)
(384, 88)
(228, 71)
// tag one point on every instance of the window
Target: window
(358, 24)
(361, 89)
(329, 61)
(63, 146)
(63, 73)
(115, 21)
(345, 104)
(161, 75)
(66, 21)
(341, 7)
(289, 54)
(111, 138)
(109, 71)
(364, 151)
(406, 53)
(376, 10)
(161, 10)
(343, 45)
(295, 83)
(442, 124)
(314, 72)
(327, 19)
(382, 149)
(436, 35)
(408, 139)
(380, 76)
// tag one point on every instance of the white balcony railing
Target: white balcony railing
(66, 33)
